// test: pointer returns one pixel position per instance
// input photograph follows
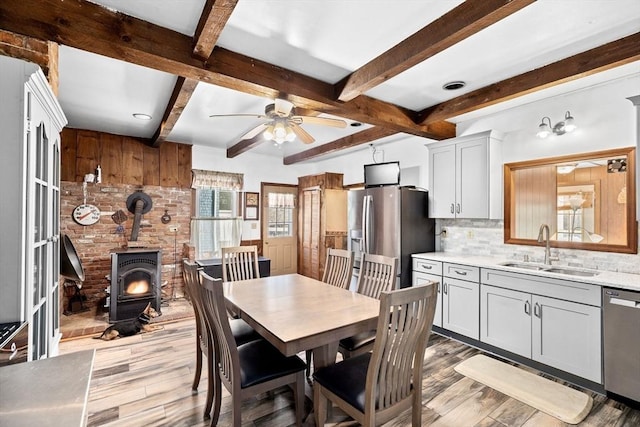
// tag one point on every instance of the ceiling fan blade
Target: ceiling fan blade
(255, 116)
(255, 131)
(283, 107)
(322, 121)
(301, 133)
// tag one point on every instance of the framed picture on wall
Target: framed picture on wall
(251, 205)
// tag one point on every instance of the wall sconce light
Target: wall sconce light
(546, 128)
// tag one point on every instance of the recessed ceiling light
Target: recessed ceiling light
(459, 84)
(142, 116)
(356, 124)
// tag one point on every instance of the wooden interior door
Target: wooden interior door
(280, 227)
(310, 233)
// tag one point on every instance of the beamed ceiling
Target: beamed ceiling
(381, 64)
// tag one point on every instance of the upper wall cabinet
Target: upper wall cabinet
(31, 121)
(465, 177)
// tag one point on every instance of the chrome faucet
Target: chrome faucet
(542, 239)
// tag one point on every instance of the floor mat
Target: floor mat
(557, 400)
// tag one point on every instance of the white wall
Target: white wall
(603, 114)
(409, 150)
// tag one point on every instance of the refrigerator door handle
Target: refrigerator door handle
(365, 225)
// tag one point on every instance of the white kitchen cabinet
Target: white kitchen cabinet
(424, 271)
(465, 177)
(505, 319)
(559, 333)
(566, 335)
(424, 278)
(461, 300)
(31, 121)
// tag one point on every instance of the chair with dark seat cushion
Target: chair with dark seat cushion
(376, 387)
(241, 331)
(249, 369)
(377, 274)
(337, 272)
(338, 268)
(240, 263)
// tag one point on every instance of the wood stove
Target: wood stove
(135, 282)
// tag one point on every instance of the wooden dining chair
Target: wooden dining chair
(249, 369)
(240, 263)
(338, 270)
(240, 330)
(376, 387)
(377, 275)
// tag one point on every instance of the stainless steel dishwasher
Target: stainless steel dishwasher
(621, 329)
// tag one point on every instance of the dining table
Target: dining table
(297, 313)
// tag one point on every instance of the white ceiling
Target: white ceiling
(328, 39)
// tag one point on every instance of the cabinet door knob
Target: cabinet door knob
(444, 287)
(458, 208)
(452, 211)
(427, 266)
(527, 307)
(537, 310)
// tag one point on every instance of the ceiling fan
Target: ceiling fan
(282, 124)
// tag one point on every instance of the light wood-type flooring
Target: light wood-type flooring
(145, 380)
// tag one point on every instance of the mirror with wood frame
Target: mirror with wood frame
(587, 200)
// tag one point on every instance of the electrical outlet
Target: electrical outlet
(470, 234)
(173, 229)
(443, 232)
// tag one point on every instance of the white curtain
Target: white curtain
(209, 235)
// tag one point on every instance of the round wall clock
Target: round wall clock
(86, 214)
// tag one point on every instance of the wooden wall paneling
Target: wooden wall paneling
(151, 166)
(111, 158)
(168, 164)
(184, 165)
(68, 145)
(87, 153)
(132, 161)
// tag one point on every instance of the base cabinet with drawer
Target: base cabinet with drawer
(427, 271)
(558, 332)
(461, 299)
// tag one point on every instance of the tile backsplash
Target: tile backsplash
(486, 238)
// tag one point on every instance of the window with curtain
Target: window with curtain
(217, 222)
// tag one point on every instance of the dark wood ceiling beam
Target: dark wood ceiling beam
(215, 15)
(180, 97)
(456, 25)
(244, 145)
(602, 58)
(96, 29)
(349, 141)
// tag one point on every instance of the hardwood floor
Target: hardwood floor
(145, 380)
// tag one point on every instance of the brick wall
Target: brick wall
(94, 243)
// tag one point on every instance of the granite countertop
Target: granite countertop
(603, 278)
(48, 392)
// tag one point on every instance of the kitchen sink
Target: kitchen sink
(524, 265)
(550, 269)
(572, 272)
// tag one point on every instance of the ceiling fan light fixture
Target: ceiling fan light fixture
(290, 135)
(269, 133)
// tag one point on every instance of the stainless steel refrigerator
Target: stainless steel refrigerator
(391, 221)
